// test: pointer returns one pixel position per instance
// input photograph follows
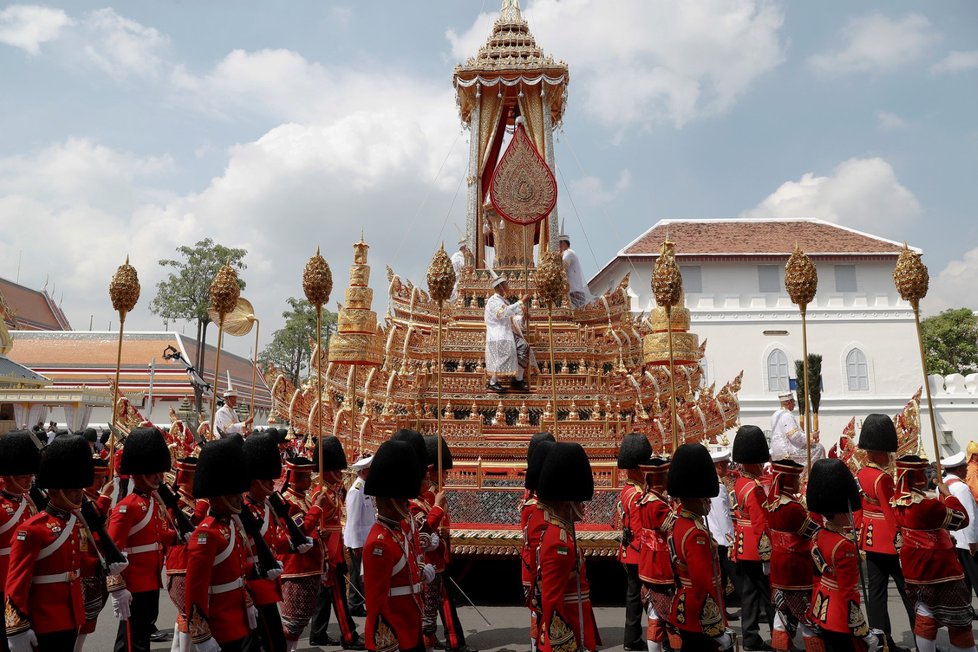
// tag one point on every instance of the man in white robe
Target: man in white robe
(787, 437)
(458, 262)
(579, 294)
(501, 357)
(226, 420)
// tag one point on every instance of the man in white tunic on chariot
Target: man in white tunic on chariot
(502, 359)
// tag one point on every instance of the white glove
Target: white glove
(871, 640)
(252, 617)
(724, 642)
(305, 547)
(428, 572)
(115, 568)
(434, 542)
(121, 599)
(275, 572)
(766, 567)
(210, 645)
(23, 642)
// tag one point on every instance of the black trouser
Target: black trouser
(970, 564)
(133, 634)
(236, 646)
(838, 642)
(728, 571)
(63, 641)
(633, 606)
(356, 580)
(269, 636)
(755, 594)
(879, 568)
(699, 642)
(330, 598)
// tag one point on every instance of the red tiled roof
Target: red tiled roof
(32, 310)
(88, 358)
(747, 237)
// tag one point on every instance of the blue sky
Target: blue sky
(137, 127)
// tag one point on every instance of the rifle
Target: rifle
(265, 558)
(296, 536)
(109, 554)
(178, 519)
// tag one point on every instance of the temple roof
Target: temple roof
(26, 309)
(510, 48)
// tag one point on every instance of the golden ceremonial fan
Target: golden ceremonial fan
(239, 321)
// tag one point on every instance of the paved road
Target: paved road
(509, 631)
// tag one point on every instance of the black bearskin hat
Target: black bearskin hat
(394, 472)
(90, 435)
(534, 465)
(145, 452)
(262, 457)
(878, 434)
(221, 469)
(280, 434)
(19, 454)
(635, 449)
(66, 464)
(692, 474)
(535, 441)
(750, 446)
(566, 474)
(832, 489)
(431, 446)
(334, 457)
(416, 441)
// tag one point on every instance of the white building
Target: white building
(733, 277)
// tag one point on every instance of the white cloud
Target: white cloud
(643, 62)
(877, 43)
(863, 193)
(29, 26)
(955, 286)
(122, 47)
(956, 61)
(592, 191)
(889, 121)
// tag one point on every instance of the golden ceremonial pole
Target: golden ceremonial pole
(912, 279)
(224, 293)
(254, 369)
(124, 292)
(801, 282)
(667, 286)
(551, 282)
(441, 280)
(317, 283)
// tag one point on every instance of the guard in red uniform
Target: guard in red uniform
(635, 450)
(19, 457)
(138, 526)
(835, 611)
(303, 571)
(752, 546)
(264, 468)
(44, 604)
(791, 531)
(698, 610)
(532, 525)
(219, 609)
(391, 577)
(566, 483)
(877, 525)
(332, 593)
(935, 579)
(99, 496)
(656, 518)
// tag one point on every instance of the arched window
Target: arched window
(777, 371)
(857, 371)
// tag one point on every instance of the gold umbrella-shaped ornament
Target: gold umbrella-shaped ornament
(441, 281)
(239, 323)
(667, 287)
(801, 282)
(317, 284)
(551, 286)
(912, 281)
(124, 293)
(224, 294)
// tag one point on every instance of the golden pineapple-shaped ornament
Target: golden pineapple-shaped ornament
(225, 290)
(800, 278)
(124, 288)
(441, 276)
(667, 281)
(551, 279)
(911, 277)
(317, 280)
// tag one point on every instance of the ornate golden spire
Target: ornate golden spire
(511, 11)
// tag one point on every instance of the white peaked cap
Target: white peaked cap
(786, 396)
(497, 279)
(954, 460)
(362, 463)
(720, 455)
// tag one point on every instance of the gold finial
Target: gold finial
(911, 277)
(551, 279)
(225, 289)
(124, 288)
(667, 281)
(800, 278)
(441, 276)
(317, 280)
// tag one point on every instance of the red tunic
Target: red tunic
(90, 556)
(928, 555)
(878, 530)
(14, 510)
(697, 605)
(265, 591)
(428, 519)
(562, 575)
(331, 525)
(392, 589)
(631, 523)
(217, 565)
(656, 519)
(753, 543)
(44, 579)
(835, 598)
(791, 544)
(532, 523)
(196, 511)
(138, 527)
(306, 516)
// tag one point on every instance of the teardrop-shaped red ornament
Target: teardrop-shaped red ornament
(523, 189)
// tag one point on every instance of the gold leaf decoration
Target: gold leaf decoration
(551, 279)
(911, 277)
(225, 290)
(441, 276)
(124, 288)
(317, 280)
(800, 277)
(667, 281)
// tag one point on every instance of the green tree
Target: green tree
(951, 342)
(184, 293)
(291, 347)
